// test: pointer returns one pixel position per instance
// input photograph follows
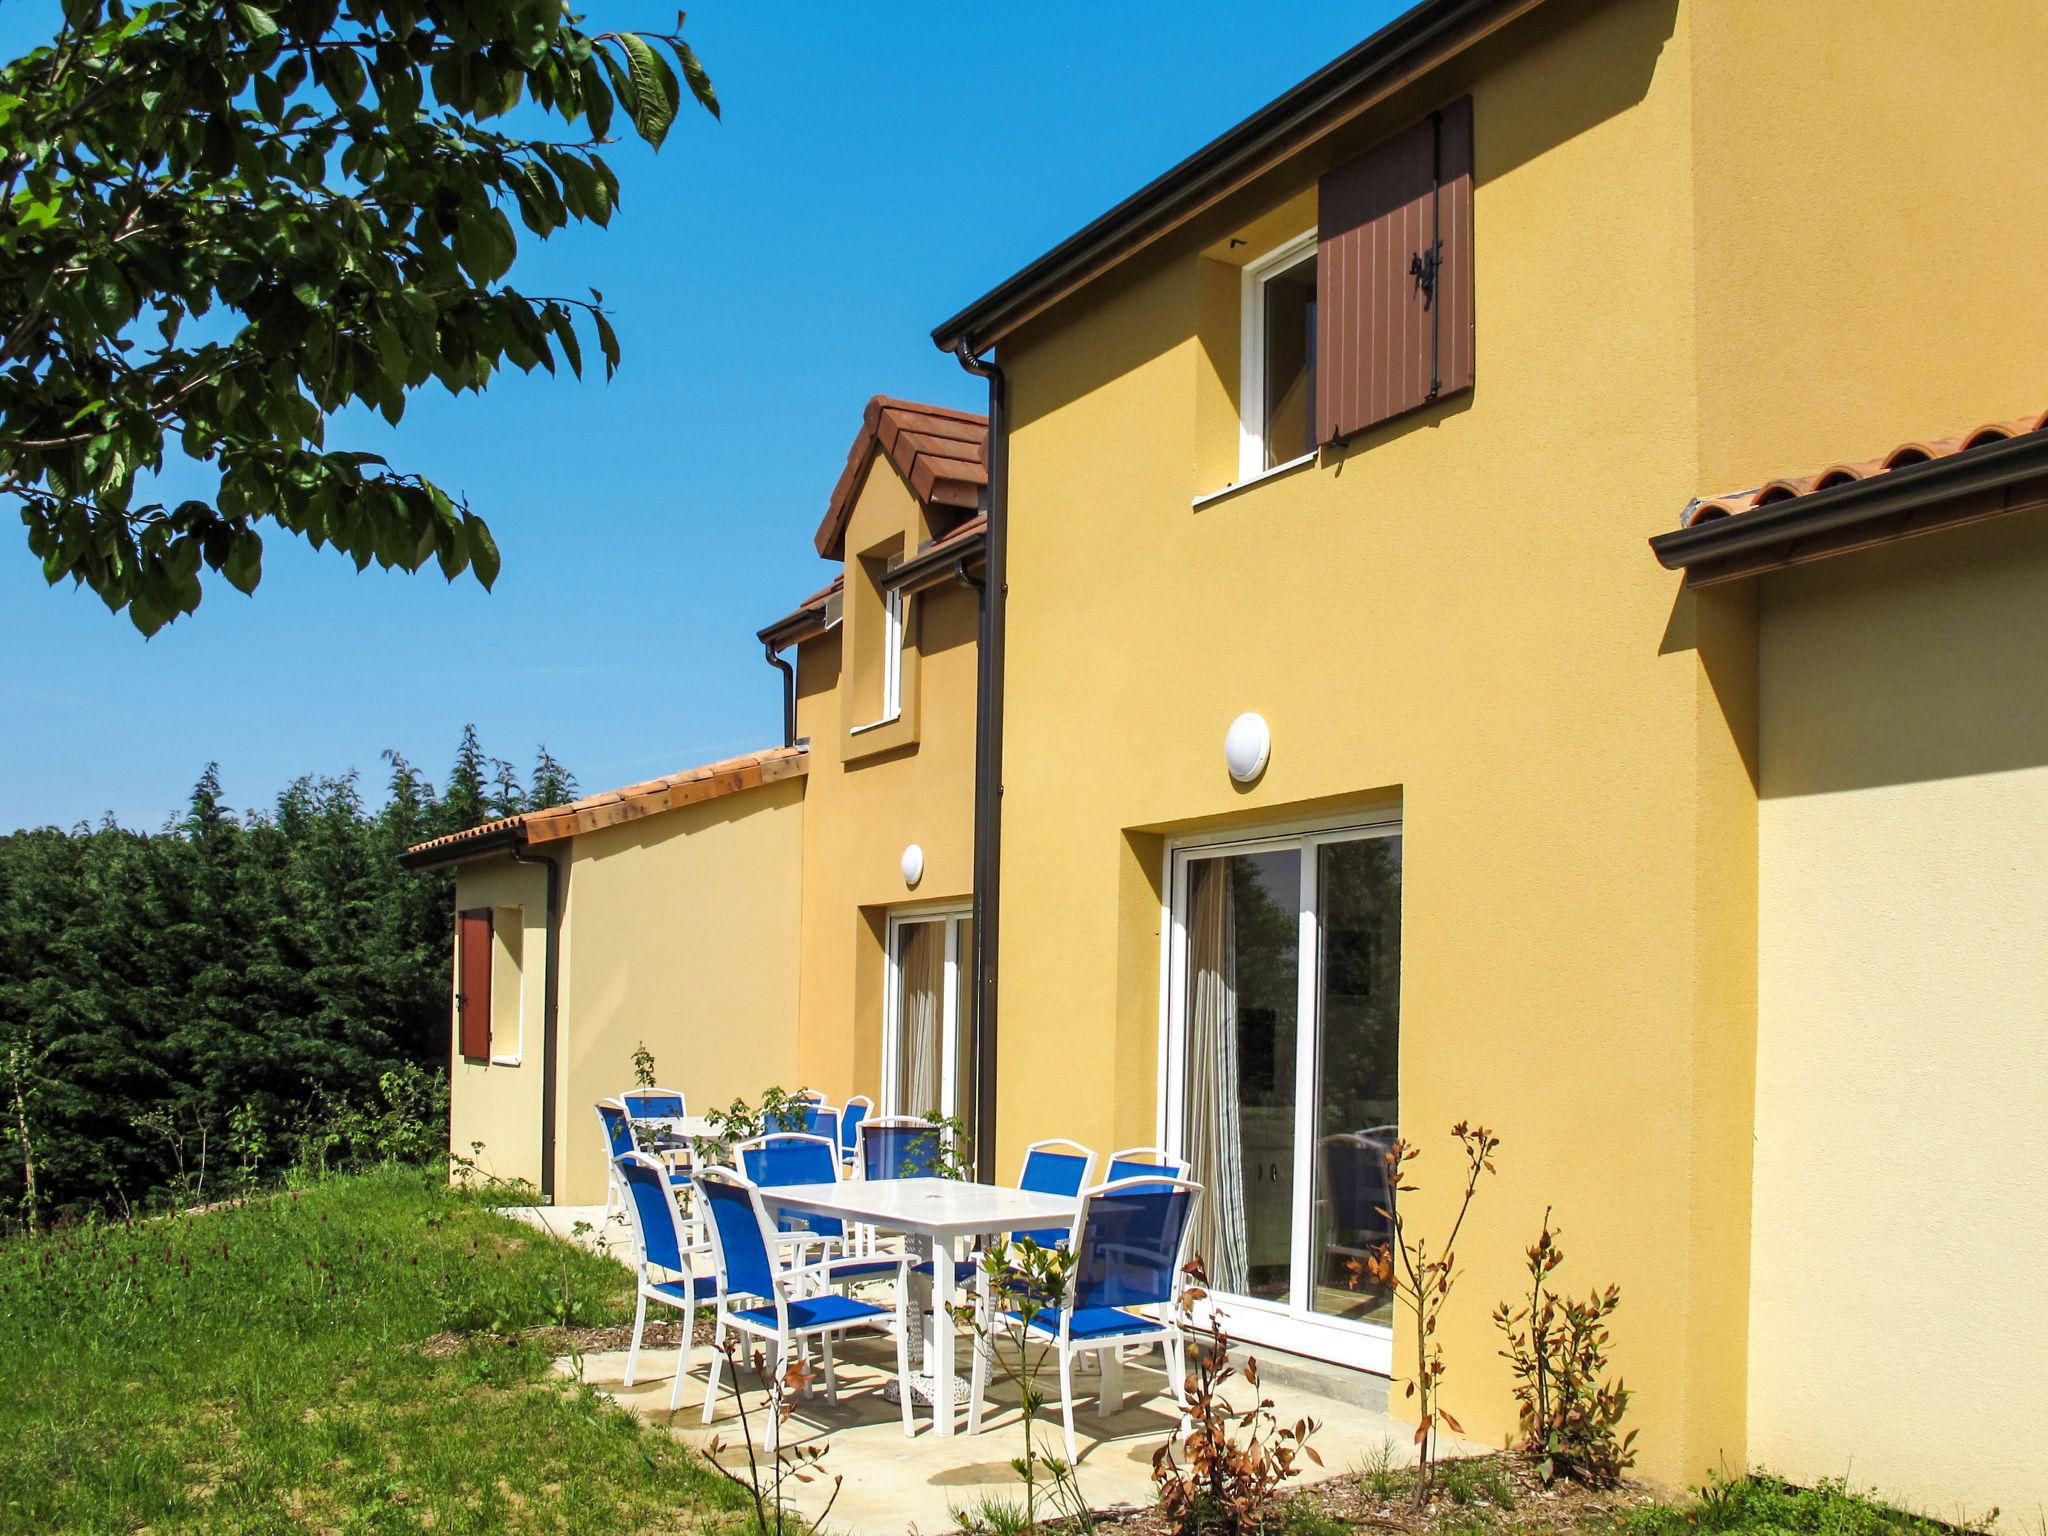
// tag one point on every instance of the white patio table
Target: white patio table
(686, 1127)
(935, 1214)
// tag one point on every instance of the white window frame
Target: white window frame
(955, 919)
(1291, 1324)
(1251, 437)
(895, 603)
(518, 1052)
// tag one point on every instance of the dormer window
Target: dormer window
(892, 654)
(880, 619)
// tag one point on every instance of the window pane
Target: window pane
(964, 1074)
(1290, 362)
(1243, 925)
(920, 1008)
(1358, 888)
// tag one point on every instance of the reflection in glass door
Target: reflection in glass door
(1238, 1134)
(1283, 1077)
(927, 1036)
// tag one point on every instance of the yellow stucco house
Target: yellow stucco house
(1361, 702)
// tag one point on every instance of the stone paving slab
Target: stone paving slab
(893, 1484)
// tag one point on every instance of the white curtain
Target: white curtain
(1214, 1139)
(923, 964)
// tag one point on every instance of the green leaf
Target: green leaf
(244, 565)
(700, 82)
(608, 340)
(656, 95)
(256, 22)
(483, 549)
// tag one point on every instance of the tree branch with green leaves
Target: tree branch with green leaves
(229, 221)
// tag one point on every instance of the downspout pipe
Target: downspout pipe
(988, 758)
(550, 1031)
(788, 692)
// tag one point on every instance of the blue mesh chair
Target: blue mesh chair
(618, 1141)
(1142, 1162)
(858, 1108)
(899, 1147)
(820, 1119)
(1130, 1243)
(790, 1157)
(1054, 1168)
(1356, 1197)
(662, 1258)
(654, 1104)
(791, 1305)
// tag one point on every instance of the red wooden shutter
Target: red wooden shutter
(1391, 334)
(473, 982)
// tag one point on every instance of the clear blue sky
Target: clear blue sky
(878, 166)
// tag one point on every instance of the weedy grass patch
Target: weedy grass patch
(258, 1368)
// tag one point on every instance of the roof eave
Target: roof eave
(1917, 498)
(932, 565)
(463, 848)
(1406, 47)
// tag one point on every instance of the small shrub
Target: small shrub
(1421, 1281)
(1025, 1279)
(1377, 1475)
(1219, 1483)
(643, 1066)
(1570, 1417)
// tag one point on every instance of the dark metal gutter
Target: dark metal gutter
(988, 758)
(788, 672)
(1412, 43)
(1976, 483)
(937, 562)
(550, 1026)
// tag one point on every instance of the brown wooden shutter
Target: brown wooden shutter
(1384, 344)
(473, 939)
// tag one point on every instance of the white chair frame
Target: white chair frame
(646, 1280)
(1168, 1337)
(614, 1195)
(790, 1285)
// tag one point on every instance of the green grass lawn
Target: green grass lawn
(259, 1368)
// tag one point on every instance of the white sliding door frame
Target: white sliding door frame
(955, 919)
(1291, 1325)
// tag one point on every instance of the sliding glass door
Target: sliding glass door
(928, 1025)
(1282, 1081)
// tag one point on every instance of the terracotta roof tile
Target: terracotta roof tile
(1919, 451)
(692, 786)
(941, 453)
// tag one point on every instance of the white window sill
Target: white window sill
(505, 1061)
(1261, 478)
(876, 725)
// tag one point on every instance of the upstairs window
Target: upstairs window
(880, 613)
(1279, 385)
(892, 654)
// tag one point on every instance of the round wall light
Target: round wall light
(913, 865)
(1246, 747)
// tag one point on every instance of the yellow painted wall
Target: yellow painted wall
(865, 805)
(1714, 242)
(1901, 1229)
(1871, 216)
(498, 1103)
(1457, 615)
(680, 930)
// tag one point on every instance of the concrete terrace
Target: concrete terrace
(897, 1484)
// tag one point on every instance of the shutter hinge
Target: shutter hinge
(1423, 267)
